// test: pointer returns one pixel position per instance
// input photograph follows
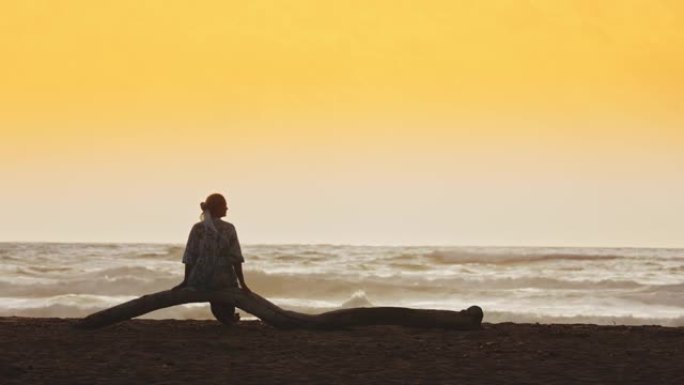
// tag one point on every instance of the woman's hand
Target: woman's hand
(241, 278)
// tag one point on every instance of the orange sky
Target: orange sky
(490, 122)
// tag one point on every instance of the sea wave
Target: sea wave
(69, 280)
(61, 309)
(138, 280)
(451, 257)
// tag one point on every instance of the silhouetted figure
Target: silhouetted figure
(213, 257)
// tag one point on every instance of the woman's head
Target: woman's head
(216, 204)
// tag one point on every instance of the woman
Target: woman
(213, 258)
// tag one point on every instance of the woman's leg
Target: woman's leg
(224, 313)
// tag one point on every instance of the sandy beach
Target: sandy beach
(51, 351)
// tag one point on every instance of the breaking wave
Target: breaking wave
(605, 286)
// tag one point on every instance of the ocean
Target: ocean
(623, 286)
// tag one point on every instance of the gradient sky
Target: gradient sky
(505, 122)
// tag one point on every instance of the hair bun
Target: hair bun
(203, 206)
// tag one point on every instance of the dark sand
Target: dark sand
(50, 351)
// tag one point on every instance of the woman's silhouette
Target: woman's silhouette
(213, 258)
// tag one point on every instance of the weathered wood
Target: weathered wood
(271, 314)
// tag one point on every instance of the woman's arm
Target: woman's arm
(235, 257)
(190, 254)
(240, 276)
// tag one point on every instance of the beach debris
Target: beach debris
(273, 315)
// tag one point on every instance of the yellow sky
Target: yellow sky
(458, 122)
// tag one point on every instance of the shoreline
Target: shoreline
(143, 351)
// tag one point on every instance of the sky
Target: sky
(492, 123)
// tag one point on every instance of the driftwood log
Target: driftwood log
(273, 315)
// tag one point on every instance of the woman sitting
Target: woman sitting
(213, 258)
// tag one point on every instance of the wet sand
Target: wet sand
(51, 351)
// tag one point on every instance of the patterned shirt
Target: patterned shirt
(213, 253)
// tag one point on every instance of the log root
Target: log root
(273, 315)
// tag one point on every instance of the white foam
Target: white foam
(509, 283)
